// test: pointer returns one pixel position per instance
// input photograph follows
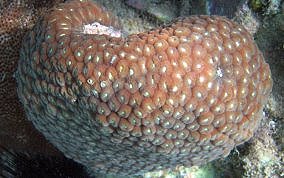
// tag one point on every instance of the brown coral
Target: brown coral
(184, 94)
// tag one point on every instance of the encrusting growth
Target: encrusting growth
(186, 93)
(16, 132)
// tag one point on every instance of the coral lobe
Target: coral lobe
(186, 93)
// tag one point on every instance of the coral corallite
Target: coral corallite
(183, 94)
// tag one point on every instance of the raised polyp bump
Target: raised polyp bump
(161, 45)
(168, 123)
(206, 118)
(148, 50)
(173, 41)
(125, 125)
(136, 132)
(181, 31)
(198, 51)
(183, 134)
(122, 68)
(124, 111)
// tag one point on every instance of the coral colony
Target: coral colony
(182, 94)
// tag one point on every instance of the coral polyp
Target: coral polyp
(183, 94)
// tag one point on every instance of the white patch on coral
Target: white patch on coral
(219, 72)
(97, 28)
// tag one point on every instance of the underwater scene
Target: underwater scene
(141, 89)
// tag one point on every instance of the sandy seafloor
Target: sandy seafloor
(261, 156)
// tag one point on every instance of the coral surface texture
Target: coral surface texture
(183, 94)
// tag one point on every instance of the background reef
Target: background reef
(16, 18)
(262, 156)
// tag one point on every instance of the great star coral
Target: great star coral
(186, 93)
